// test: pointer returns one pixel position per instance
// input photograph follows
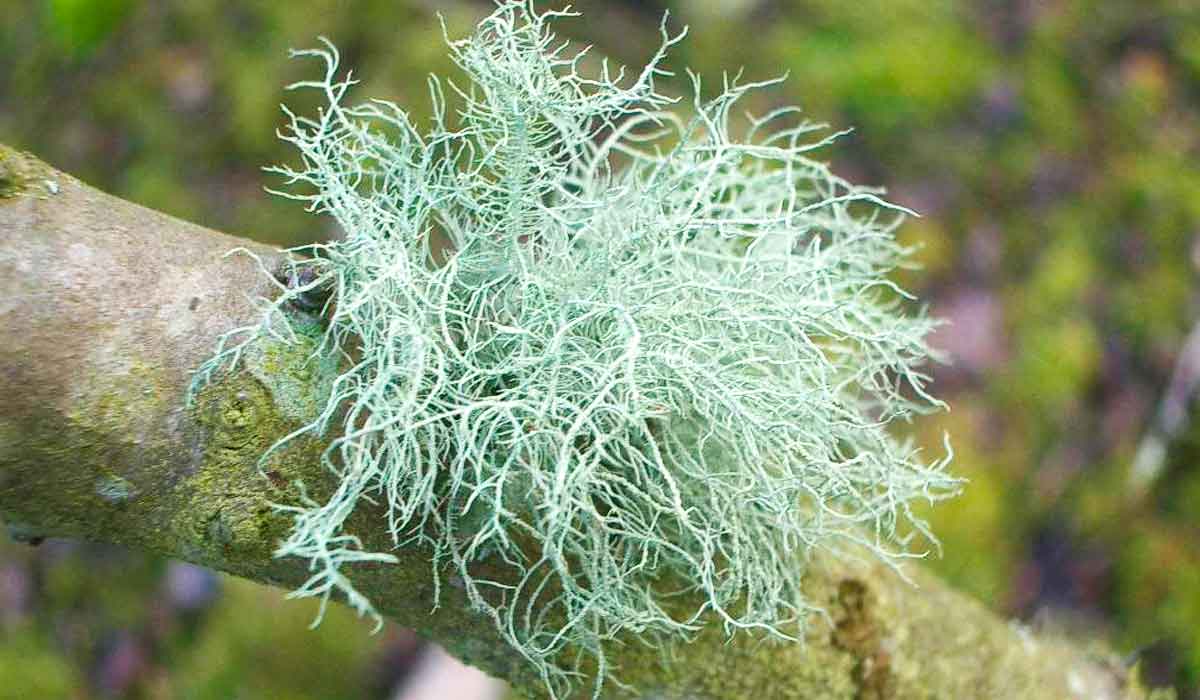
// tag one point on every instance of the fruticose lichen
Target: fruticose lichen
(658, 358)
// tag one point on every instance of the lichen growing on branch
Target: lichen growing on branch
(659, 358)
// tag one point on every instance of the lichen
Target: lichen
(21, 173)
(114, 488)
(659, 364)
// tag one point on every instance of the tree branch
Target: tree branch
(105, 309)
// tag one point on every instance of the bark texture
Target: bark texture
(105, 309)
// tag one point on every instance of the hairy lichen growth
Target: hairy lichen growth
(659, 359)
(114, 488)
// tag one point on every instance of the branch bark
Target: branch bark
(105, 309)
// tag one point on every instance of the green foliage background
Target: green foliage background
(1051, 145)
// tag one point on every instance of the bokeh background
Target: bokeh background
(1050, 144)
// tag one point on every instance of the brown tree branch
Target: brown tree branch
(107, 307)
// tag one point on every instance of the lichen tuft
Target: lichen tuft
(658, 360)
(114, 488)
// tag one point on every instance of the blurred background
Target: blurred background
(1051, 146)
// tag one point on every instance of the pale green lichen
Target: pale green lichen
(114, 488)
(658, 360)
